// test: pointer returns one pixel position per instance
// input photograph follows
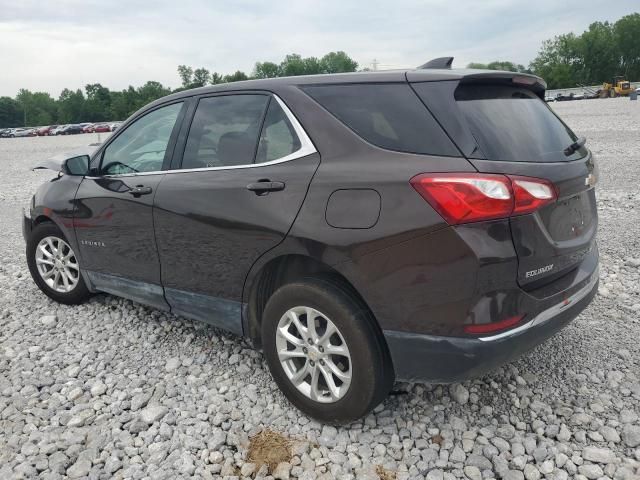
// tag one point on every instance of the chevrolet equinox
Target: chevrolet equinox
(422, 225)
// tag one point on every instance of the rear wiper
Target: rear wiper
(575, 146)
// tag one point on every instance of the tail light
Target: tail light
(473, 197)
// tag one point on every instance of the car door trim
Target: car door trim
(306, 148)
(216, 311)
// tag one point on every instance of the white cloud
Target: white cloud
(69, 43)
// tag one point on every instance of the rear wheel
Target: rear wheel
(54, 266)
(324, 351)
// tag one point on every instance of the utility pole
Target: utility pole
(374, 64)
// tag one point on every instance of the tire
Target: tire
(77, 291)
(368, 364)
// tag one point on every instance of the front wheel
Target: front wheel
(325, 351)
(54, 265)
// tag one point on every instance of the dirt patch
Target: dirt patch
(385, 474)
(269, 448)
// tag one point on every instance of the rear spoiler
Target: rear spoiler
(433, 72)
(441, 62)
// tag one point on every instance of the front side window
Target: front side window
(224, 131)
(142, 146)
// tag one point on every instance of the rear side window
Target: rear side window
(278, 138)
(513, 124)
(389, 115)
(224, 131)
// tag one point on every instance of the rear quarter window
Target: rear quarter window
(390, 116)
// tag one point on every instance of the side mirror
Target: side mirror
(78, 166)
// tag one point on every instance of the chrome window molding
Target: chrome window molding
(306, 148)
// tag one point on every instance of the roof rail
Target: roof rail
(441, 62)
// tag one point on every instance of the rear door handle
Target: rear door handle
(139, 190)
(265, 186)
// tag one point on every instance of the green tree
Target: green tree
(236, 77)
(186, 75)
(337, 62)
(627, 38)
(266, 70)
(201, 77)
(599, 58)
(71, 106)
(98, 103)
(11, 113)
(293, 65)
(149, 92)
(216, 78)
(559, 61)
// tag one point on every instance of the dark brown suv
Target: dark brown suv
(422, 225)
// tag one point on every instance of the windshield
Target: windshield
(513, 124)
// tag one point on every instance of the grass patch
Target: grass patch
(385, 474)
(269, 448)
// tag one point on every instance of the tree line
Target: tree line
(96, 103)
(596, 55)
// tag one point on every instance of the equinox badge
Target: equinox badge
(540, 270)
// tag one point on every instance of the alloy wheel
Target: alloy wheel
(313, 354)
(57, 264)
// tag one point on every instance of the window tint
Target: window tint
(141, 147)
(224, 131)
(278, 138)
(388, 115)
(513, 124)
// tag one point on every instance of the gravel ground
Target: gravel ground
(112, 389)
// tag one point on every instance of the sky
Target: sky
(48, 46)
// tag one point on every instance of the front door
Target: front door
(114, 210)
(242, 178)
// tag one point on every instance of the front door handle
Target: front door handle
(263, 187)
(139, 190)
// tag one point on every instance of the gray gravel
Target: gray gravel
(112, 389)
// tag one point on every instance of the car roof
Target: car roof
(387, 76)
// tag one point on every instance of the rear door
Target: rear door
(514, 132)
(238, 182)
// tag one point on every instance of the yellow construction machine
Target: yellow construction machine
(618, 88)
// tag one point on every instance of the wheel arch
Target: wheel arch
(285, 269)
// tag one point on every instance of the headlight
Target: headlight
(27, 207)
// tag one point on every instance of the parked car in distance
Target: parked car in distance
(72, 129)
(45, 131)
(449, 228)
(88, 128)
(114, 126)
(24, 132)
(56, 130)
(101, 128)
(4, 132)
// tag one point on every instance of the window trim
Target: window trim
(185, 101)
(306, 145)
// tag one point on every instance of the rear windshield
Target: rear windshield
(387, 115)
(513, 124)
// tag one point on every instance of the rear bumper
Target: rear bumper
(440, 359)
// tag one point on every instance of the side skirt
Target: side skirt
(219, 312)
(141, 292)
